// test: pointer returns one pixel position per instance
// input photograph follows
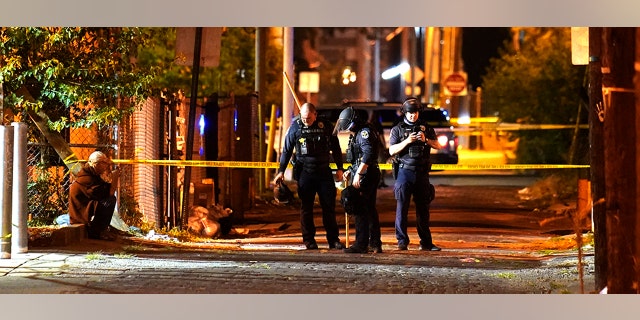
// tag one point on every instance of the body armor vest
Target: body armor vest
(416, 153)
(313, 143)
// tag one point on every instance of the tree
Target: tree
(235, 72)
(534, 82)
(65, 67)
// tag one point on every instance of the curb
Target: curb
(68, 235)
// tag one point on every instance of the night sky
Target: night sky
(478, 46)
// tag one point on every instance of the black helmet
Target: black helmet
(411, 104)
(346, 120)
(351, 200)
(282, 193)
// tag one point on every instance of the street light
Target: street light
(395, 71)
(348, 76)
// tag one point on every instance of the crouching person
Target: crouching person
(92, 198)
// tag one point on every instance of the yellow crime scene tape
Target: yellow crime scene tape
(513, 127)
(384, 166)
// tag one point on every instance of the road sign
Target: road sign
(209, 50)
(309, 81)
(455, 84)
(418, 75)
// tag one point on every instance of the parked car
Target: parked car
(387, 114)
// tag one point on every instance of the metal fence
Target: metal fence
(147, 192)
(48, 179)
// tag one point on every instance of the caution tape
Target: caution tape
(505, 166)
(202, 163)
(515, 127)
(462, 167)
(384, 166)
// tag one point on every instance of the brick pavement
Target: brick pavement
(270, 258)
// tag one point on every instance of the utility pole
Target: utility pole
(287, 67)
(188, 147)
(376, 66)
(621, 159)
(260, 86)
(596, 140)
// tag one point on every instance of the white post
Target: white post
(6, 181)
(287, 97)
(19, 228)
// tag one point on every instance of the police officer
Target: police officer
(362, 154)
(315, 146)
(410, 142)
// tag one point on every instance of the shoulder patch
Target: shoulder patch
(320, 124)
(364, 134)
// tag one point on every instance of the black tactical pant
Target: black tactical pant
(367, 222)
(413, 183)
(319, 181)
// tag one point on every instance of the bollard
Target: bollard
(19, 211)
(6, 181)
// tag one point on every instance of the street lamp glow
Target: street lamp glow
(395, 71)
(352, 77)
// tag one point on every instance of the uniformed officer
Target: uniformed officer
(362, 154)
(411, 141)
(315, 148)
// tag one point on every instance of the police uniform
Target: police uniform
(315, 148)
(363, 148)
(413, 180)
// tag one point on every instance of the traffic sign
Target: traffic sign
(309, 81)
(455, 84)
(418, 75)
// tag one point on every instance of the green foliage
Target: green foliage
(534, 82)
(65, 67)
(103, 67)
(235, 72)
(45, 194)
(98, 255)
(506, 275)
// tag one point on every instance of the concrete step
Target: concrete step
(68, 234)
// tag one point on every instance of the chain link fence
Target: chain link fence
(48, 178)
(148, 195)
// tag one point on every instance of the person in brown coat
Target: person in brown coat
(92, 198)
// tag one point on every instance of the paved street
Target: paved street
(213, 271)
(495, 247)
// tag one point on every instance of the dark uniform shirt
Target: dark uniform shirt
(417, 152)
(363, 147)
(315, 146)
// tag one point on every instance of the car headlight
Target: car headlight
(443, 140)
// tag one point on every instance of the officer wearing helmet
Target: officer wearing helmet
(362, 154)
(315, 148)
(410, 142)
